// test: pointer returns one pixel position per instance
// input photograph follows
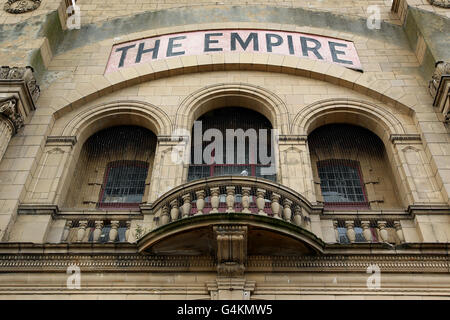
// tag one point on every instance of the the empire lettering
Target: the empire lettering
(218, 41)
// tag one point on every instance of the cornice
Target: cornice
(128, 262)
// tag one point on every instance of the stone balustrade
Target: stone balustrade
(96, 231)
(247, 195)
(353, 231)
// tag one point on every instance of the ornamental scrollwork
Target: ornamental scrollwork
(440, 3)
(442, 68)
(8, 108)
(21, 6)
(22, 73)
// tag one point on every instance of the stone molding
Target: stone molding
(440, 3)
(405, 138)
(69, 141)
(299, 138)
(21, 6)
(43, 261)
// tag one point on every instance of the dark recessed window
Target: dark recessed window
(234, 118)
(124, 184)
(341, 183)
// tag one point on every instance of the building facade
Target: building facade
(221, 150)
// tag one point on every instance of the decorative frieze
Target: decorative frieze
(21, 6)
(103, 262)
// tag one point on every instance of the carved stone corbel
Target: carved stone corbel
(440, 88)
(9, 110)
(20, 83)
(231, 250)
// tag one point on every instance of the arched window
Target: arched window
(243, 148)
(114, 169)
(351, 168)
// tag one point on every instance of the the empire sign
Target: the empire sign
(307, 46)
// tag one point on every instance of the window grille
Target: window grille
(346, 158)
(341, 183)
(232, 118)
(113, 169)
(124, 184)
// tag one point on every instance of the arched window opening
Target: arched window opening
(114, 169)
(351, 168)
(246, 138)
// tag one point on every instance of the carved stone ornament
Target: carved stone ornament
(442, 68)
(440, 3)
(8, 108)
(21, 6)
(21, 73)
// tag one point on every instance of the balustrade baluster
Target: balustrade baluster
(287, 212)
(174, 211)
(200, 201)
(186, 205)
(128, 232)
(298, 215)
(113, 232)
(164, 215)
(260, 202)
(383, 231)
(366, 230)
(351, 234)
(399, 231)
(66, 231)
(230, 199)
(275, 205)
(97, 231)
(215, 200)
(81, 230)
(246, 199)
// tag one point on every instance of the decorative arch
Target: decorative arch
(99, 117)
(233, 95)
(352, 111)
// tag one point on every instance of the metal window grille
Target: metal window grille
(340, 151)
(124, 184)
(341, 183)
(232, 118)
